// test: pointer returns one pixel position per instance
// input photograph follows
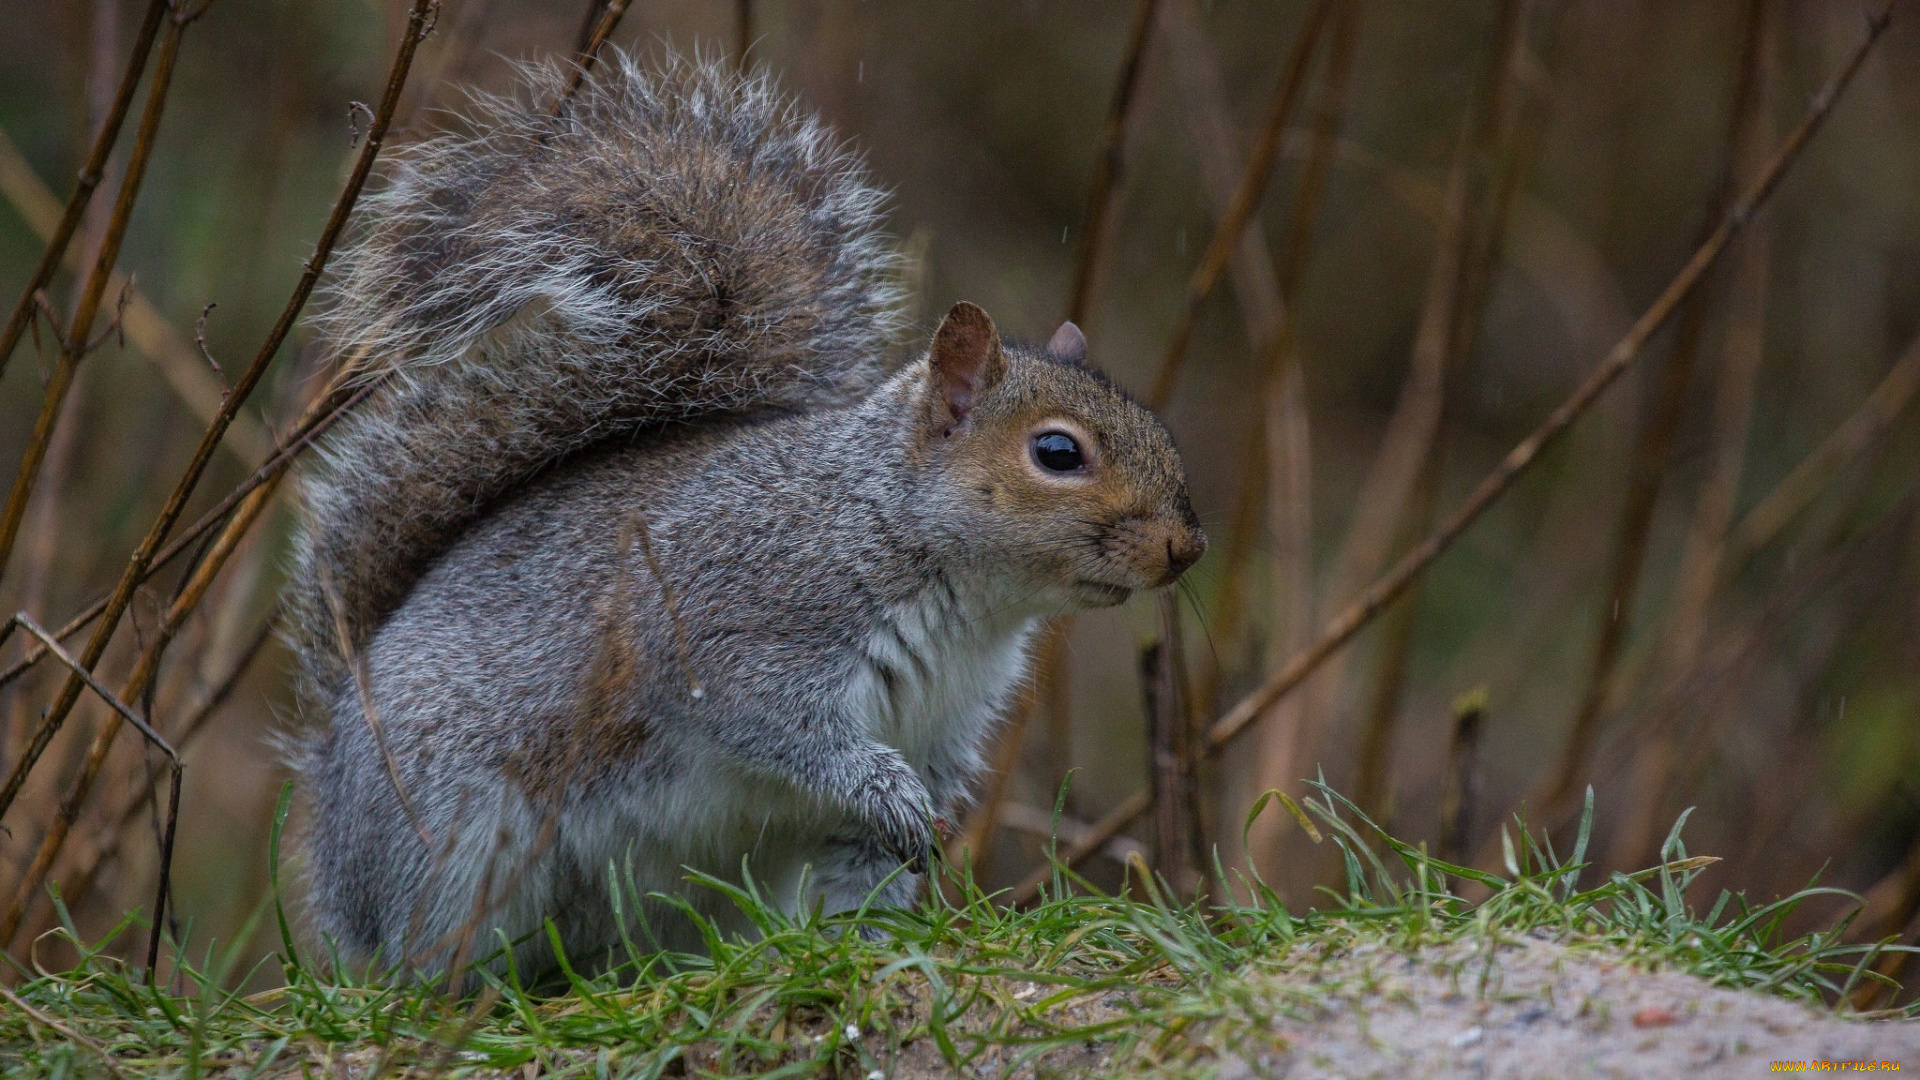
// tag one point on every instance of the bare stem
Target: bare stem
(1111, 164)
(1658, 432)
(268, 475)
(143, 556)
(1246, 200)
(74, 344)
(1088, 845)
(91, 173)
(590, 52)
(1385, 590)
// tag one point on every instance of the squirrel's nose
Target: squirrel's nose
(1184, 548)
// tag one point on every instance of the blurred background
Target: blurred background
(1707, 595)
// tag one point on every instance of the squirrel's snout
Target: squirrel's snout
(1184, 548)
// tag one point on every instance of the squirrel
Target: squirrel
(646, 557)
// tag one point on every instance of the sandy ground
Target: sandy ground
(1532, 1010)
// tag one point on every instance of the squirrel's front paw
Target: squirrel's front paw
(901, 815)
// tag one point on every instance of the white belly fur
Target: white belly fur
(936, 679)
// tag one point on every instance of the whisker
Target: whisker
(1192, 594)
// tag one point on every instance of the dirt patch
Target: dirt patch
(1527, 1010)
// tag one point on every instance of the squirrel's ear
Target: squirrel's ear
(965, 361)
(1069, 344)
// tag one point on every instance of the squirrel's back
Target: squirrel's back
(677, 242)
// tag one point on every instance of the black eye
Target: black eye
(1057, 452)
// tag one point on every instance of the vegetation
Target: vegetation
(1079, 981)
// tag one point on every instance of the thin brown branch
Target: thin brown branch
(164, 887)
(1686, 706)
(1371, 789)
(73, 345)
(1053, 697)
(1658, 434)
(192, 590)
(742, 32)
(1349, 622)
(91, 173)
(1285, 435)
(141, 321)
(106, 1058)
(460, 939)
(1661, 761)
(590, 52)
(196, 586)
(80, 880)
(1890, 398)
(70, 808)
(268, 475)
(1889, 908)
(1256, 274)
(589, 22)
(1687, 710)
(1111, 164)
(1500, 133)
(1179, 848)
(1045, 825)
(1053, 674)
(1463, 751)
(1236, 556)
(143, 556)
(1089, 844)
(1407, 442)
(116, 703)
(1388, 495)
(1704, 551)
(136, 685)
(1246, 199)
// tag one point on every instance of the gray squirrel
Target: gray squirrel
(645, 557)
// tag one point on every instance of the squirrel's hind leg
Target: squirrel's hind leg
(852, 874)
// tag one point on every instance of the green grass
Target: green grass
(1079, 983)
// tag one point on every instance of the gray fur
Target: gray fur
(854, 585)
(485, 683)
(679, 243)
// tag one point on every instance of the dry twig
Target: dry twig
(149, 330)
(74, 342)
(1110, 165)
(1457, 802)
(590, 52)
(1704, 550)
(81, 878)
(1890, 398)
(70, 809)
(1089, 843)
(1246, 199)
(91, 173)
(1496, 151)
(1658, 433)
(418, 25)
(65, 1032)
(1180, 846)
(1388, 588)
(249, 496)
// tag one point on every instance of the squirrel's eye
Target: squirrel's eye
(1057, 452)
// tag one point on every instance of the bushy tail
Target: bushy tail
(678, 242)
